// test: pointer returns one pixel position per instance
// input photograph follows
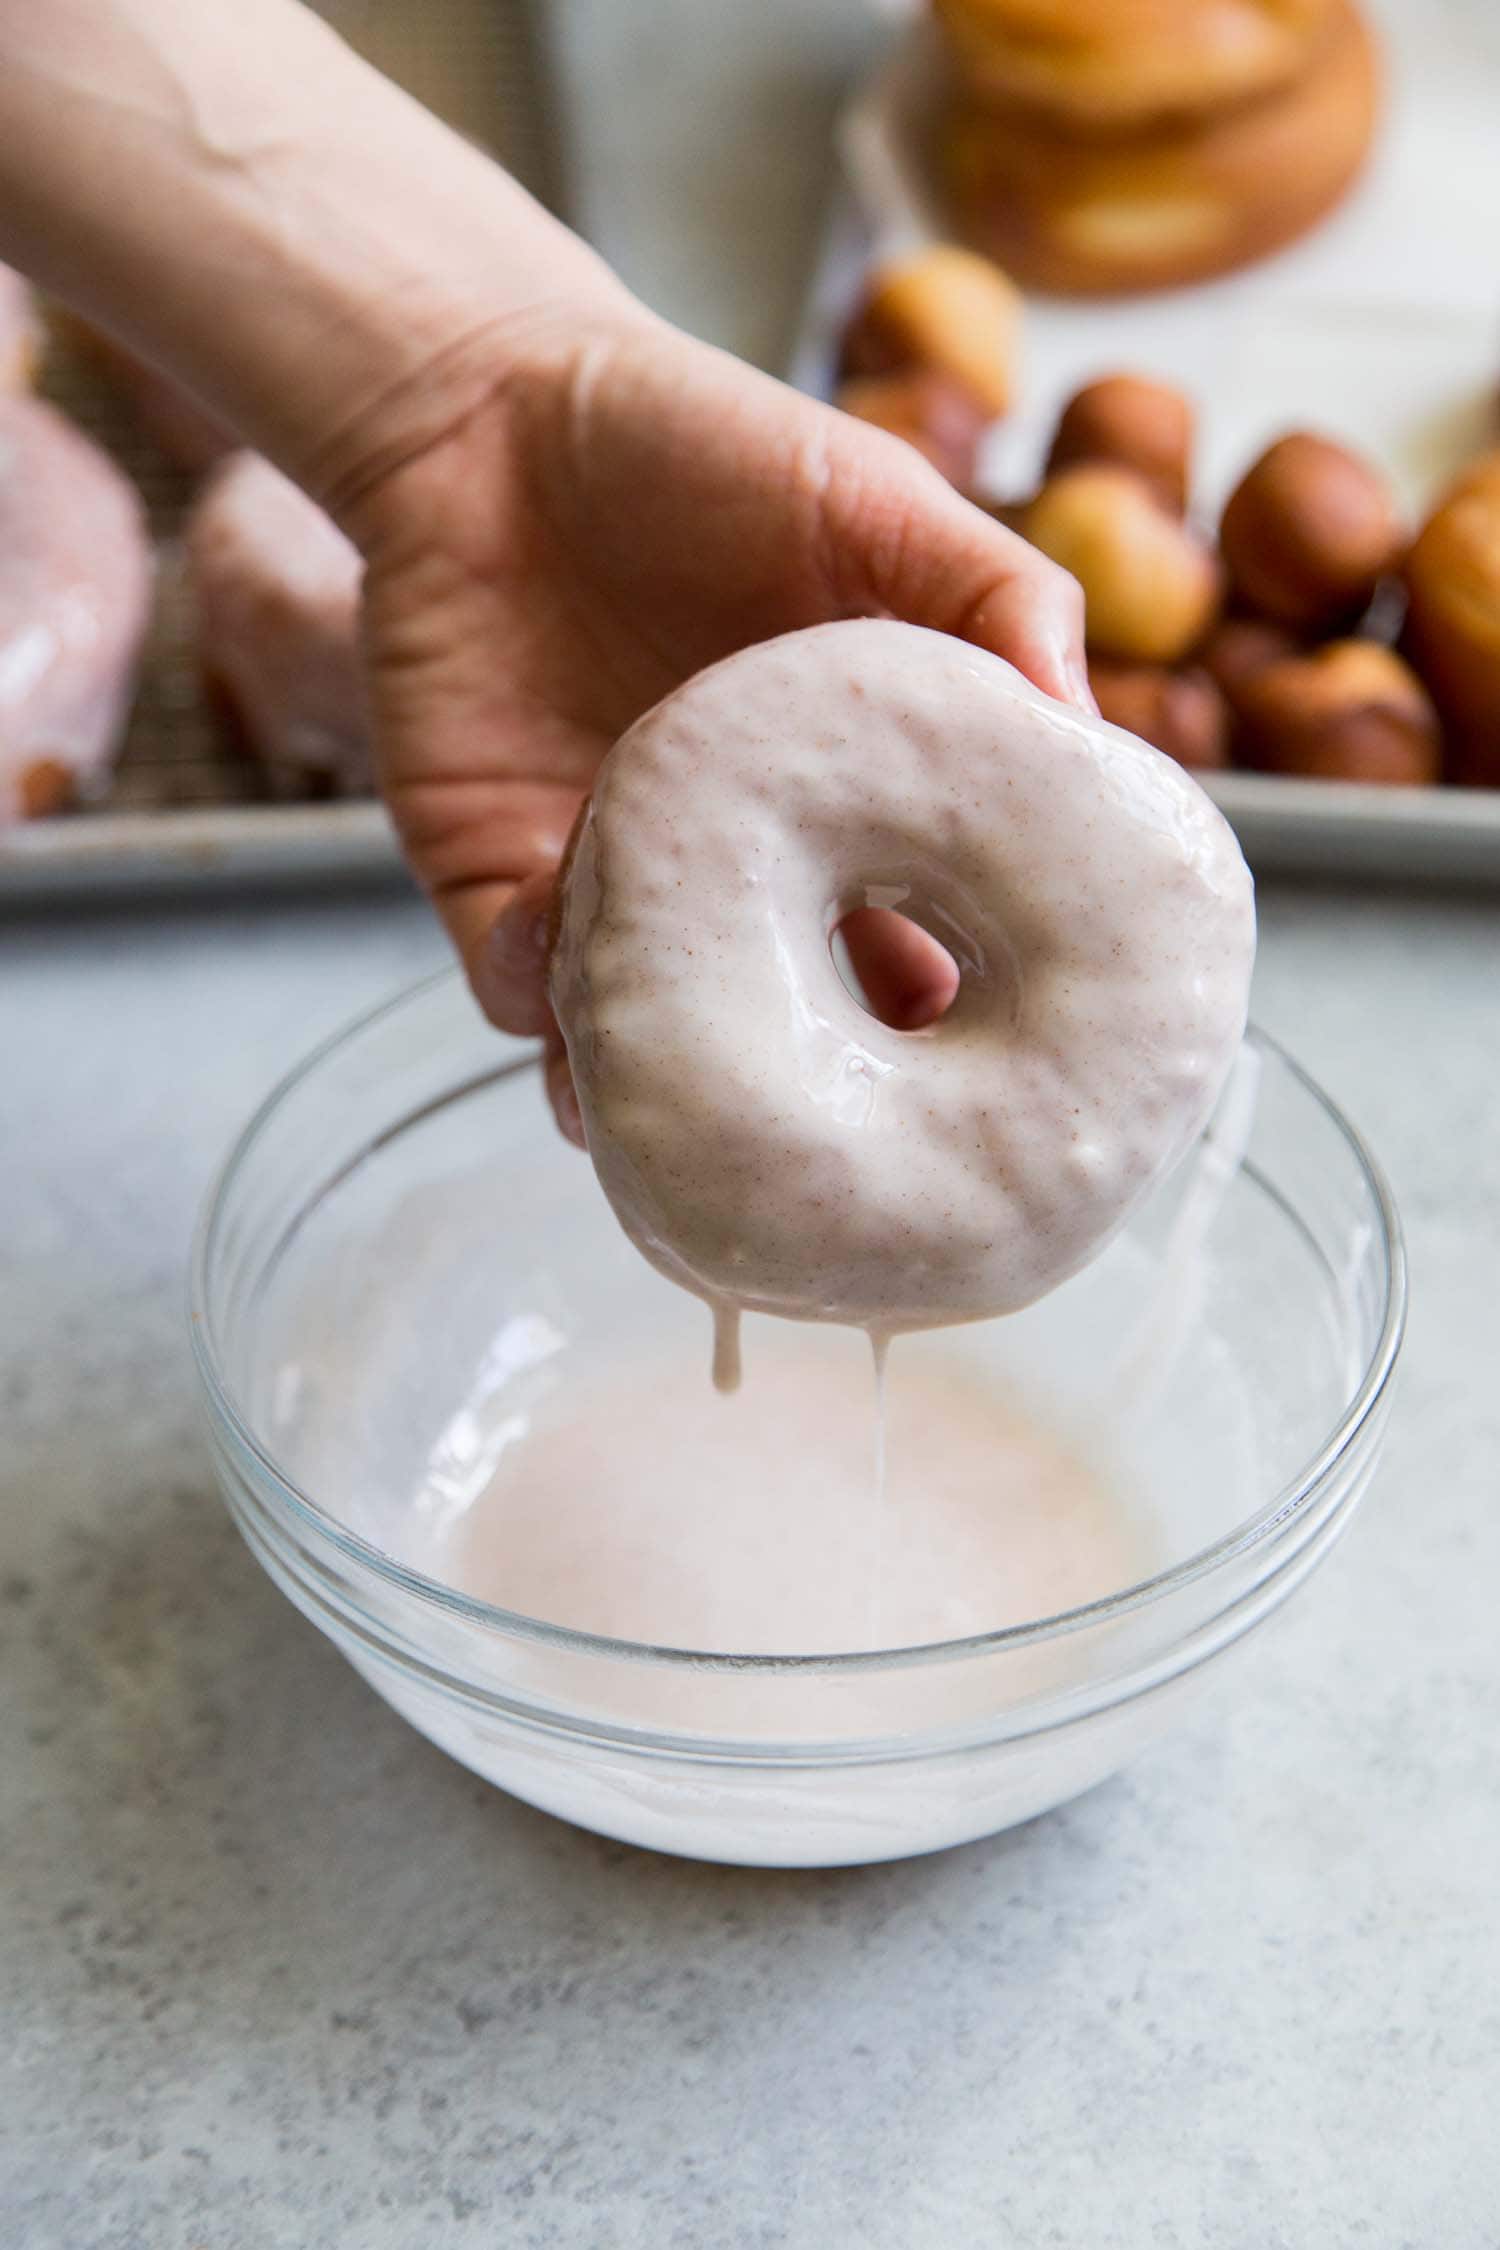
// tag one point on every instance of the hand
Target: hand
(624, 507)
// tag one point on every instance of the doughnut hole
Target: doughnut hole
(895, 970)
(1352, 711)
(1150, 584)
(1308, 533)
(1137, 423)
(1183, 713)
(943, 311)
(928, 410)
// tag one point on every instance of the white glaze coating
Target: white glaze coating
(75, 590)
(276, 586)
(765, 1141)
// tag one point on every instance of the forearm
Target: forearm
(240, 197)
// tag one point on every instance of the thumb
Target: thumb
(918, 550)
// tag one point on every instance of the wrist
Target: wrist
(266, 217)
(436, 354)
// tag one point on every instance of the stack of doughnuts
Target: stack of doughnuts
(1103, 146)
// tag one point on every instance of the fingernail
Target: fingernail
(1072, 672)
(1067, 670)
(1079, 690)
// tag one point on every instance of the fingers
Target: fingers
(908, 979)
(1034, 618)
(486, 850)
(508, 965)
(561, 1092)
(908, 543)
(502, 933)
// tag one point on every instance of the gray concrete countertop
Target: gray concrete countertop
(275, 1975)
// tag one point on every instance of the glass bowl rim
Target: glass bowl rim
(1289, 1502)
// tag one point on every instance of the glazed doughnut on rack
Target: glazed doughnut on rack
(75, 589)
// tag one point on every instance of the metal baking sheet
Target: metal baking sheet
(1287, 827)
(1381, 327)
(186, 809)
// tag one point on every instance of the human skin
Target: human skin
(565, 505)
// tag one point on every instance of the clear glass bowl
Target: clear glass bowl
(400, 1200)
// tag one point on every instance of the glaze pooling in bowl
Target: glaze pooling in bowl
(787, 1518)
(404, 1195)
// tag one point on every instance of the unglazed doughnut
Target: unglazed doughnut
(1136, 423)
(945, 310)
(1183, 713)
(75, 591)
(931, 412)
(1150, 583)
(1308, 533)
(767, 1143)
(1452, 631)
(1239, 647)
(1138, 212)
(1349, 711)
(1112, 65)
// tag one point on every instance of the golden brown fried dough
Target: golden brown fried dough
(1183, 713)
(1092, 66)
(1141, 424)
(1150, 584)
(946, 310)
(1134, 211)
(1452, 632)
(1308, 532)
(1351, 711)
(938, 417)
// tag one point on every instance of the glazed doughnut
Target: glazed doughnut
(75, 589)
(1127, 65)
(1127, 213)
(765, 1141)
(276, 591)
